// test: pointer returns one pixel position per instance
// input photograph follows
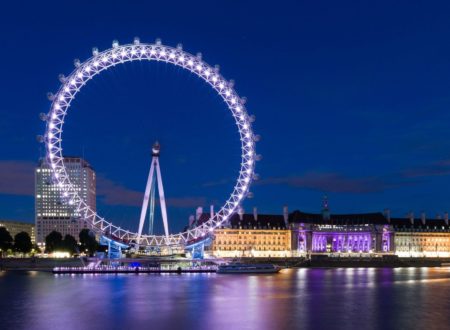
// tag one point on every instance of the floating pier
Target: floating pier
(132, 270)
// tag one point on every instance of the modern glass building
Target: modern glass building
(52, 211)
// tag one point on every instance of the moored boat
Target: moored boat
(239, 268)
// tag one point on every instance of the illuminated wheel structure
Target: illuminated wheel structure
(137, 51)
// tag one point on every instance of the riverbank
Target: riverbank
(389, 262)
(323, 261)
(48, 264)
(40, 264)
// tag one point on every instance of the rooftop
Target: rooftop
(264, 221)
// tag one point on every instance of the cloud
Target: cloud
(334, 182)
(439, 168)
(185, 202)
(216, 183)
(17, 177)
(338, 183)
(112, 193)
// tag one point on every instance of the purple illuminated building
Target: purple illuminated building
(341, 233)
(344, 234)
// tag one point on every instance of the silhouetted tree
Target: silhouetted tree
(53, 241)
(70, 244)
(88, 241)
(6, 240)
(22, 242)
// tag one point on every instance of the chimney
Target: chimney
(387, 215)
(286, 215)
(411, 217)
(241, 213)
(211, 211)
(446, 218)
(198, 213)
(423, 218)
(255, 213)
(191, 220)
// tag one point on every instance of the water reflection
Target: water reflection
(412, 298)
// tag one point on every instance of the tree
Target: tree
(88, 241)
(22, 242)
(53, 241)
(70, 244)
(6, 240)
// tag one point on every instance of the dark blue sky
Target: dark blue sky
(351, 100)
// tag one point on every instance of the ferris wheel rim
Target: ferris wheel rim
(137, 51)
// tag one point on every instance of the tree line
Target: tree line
(87, 243)
(21, 243)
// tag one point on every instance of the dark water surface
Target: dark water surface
(409, 298)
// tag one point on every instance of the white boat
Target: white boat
(238, 268)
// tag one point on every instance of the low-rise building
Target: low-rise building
(15, 227)
(421, 237)
(252, 235)
(341, 233)
(303, 234)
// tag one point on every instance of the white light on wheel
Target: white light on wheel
(109, 58)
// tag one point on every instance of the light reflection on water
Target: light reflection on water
(408, 298)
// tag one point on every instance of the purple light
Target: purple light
(302, 241)
(338, 241)
(386, 240)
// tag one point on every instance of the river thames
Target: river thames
(352, 298)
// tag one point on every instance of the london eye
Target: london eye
(137, 51)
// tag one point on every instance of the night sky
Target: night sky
(351, 100)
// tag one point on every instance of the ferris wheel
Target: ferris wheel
(137, 51)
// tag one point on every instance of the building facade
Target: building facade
(250, 235)
(317, 233)
(301, 234)
(52, 212)
(15, 227)
(370, 233)
(251, 242)
(422, 237)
